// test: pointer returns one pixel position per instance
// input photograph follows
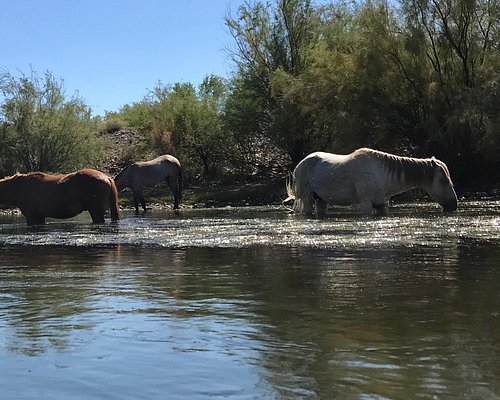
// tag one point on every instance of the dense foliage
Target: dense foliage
(185, 121)
(415, 77)
(41, 130)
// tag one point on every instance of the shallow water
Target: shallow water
(253, 303)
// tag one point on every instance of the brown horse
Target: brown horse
(39, 195)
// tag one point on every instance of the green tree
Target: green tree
(185, 121)
(460, 41)
(271, 40)
(413, 77)
(349, 88)
(41, 129)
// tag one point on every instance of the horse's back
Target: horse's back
(320, 163)
(321, 158)
(160, 160)
(168, 158)
(85, 188)
(85, 175)
(148, 173)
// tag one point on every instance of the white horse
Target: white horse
(366, 177)
(142, 174)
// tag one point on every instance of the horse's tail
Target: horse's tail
(290, 191)
(113, 201)
(180, 182)
(289, 188)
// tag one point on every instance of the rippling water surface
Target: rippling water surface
(253, 303)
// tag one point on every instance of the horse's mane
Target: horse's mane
(32, 174)
(121, 172)
(18, 175)
(413, 170)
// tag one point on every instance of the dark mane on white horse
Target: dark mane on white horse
(412, 170)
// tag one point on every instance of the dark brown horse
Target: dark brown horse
(39, 195)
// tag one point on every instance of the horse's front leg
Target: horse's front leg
(381, 209)
(366, 206)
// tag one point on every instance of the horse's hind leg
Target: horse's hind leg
(321, 206)
(308, 205)
(137, 197)
(176, 198)
(175, 192)
(143, 202)
(97, 216)
(297, 206)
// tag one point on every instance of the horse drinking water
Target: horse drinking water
(366, 177)
(141, 174)
(39, 195)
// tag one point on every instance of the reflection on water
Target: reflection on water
(253, 304)
(409, 226)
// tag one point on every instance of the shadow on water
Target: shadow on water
(255, 303)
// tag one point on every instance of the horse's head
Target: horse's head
(441, 187)
(121, 179)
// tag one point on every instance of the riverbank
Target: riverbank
(271, 192)
(214, 195)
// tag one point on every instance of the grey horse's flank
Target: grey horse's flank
(137, 176)
(366, 177)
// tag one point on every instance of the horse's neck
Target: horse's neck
(400, 185)
(405, 180)
(122, 179)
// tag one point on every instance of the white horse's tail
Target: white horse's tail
(290, 191)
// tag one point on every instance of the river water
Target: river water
(253, 303)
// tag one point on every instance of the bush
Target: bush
(41, 129)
